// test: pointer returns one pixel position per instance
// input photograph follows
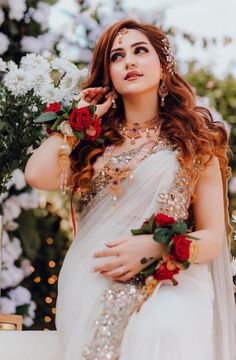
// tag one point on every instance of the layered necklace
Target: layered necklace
(116, 171)
(136, 130)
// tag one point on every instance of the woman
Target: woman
(177, 153)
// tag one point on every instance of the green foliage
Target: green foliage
(17, 132)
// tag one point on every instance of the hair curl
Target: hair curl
(185, 124)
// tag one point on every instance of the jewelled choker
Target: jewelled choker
(135, 131)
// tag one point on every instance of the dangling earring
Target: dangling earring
(113, 99)
(163, 92)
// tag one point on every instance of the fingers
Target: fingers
(108, 266)
(116, 273)
(92, 95)
(105, 253)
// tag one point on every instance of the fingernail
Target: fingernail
(93, 270)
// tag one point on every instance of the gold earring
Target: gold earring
(163, 92)
(113, 99)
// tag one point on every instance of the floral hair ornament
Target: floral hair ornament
(169, 54)
(120, 34)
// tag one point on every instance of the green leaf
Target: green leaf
(79, 134)
(46, 117)
(179, 228)
(22, 309)
(192, 237)
(56, 123)
(92, 109)
(162, 235)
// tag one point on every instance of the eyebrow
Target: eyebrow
(135, 44)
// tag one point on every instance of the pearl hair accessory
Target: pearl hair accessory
(169, 53)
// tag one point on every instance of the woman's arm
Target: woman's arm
(208, 211)
(43, 170)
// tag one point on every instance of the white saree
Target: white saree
(95, 318)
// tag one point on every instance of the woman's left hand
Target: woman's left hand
(133, 254)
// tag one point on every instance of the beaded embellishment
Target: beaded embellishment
(100, 181)
(121, 299)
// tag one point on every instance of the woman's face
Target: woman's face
(134, 54)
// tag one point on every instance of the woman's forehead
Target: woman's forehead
(129, 37)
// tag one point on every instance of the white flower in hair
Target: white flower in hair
(4, 43)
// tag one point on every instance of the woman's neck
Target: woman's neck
(140, 108)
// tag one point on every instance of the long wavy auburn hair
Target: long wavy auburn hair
(190, 127)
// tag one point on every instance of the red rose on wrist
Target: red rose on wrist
(94, 130)
(162, 220)
(55, 107)
(180, 249)
(80, 118)
(164, 274)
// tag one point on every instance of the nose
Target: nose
(130, 62)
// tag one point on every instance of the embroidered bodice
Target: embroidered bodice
(100, 180)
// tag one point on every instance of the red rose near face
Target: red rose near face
(162, 220)
(164, 274)
(180, 249)
(94, 130)
(80, 119)
(55, 107)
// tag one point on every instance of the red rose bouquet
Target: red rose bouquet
(181, 249)
(82, 123)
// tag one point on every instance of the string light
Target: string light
(37, 279)
(51, 264)
(47, 319)
(54, 310)
(49, 241)
(48, 300)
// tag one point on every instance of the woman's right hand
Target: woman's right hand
(91, 96)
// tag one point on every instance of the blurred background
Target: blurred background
(37, 228)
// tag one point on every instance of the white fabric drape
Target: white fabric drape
(195, 319)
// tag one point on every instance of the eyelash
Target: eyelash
(114, 57)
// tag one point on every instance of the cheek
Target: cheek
(115, 74)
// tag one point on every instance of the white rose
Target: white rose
(2, 17)
(11, 277)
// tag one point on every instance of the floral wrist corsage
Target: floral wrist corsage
(74, 125)
(181, 250)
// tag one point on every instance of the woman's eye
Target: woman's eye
(115, 56)
(138, 50)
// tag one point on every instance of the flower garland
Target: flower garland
(179, 253)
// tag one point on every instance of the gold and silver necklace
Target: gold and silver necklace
(117, 172)
(136, 130)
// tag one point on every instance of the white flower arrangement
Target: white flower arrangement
(49, 80)
(11, 274)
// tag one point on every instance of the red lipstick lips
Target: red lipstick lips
(132, 74)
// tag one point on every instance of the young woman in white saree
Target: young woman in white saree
(161, 154)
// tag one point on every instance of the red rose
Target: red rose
(162, 220)
(94, 130)
(55, 107)
(164, 274)
(180, 249)
(80, 118)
